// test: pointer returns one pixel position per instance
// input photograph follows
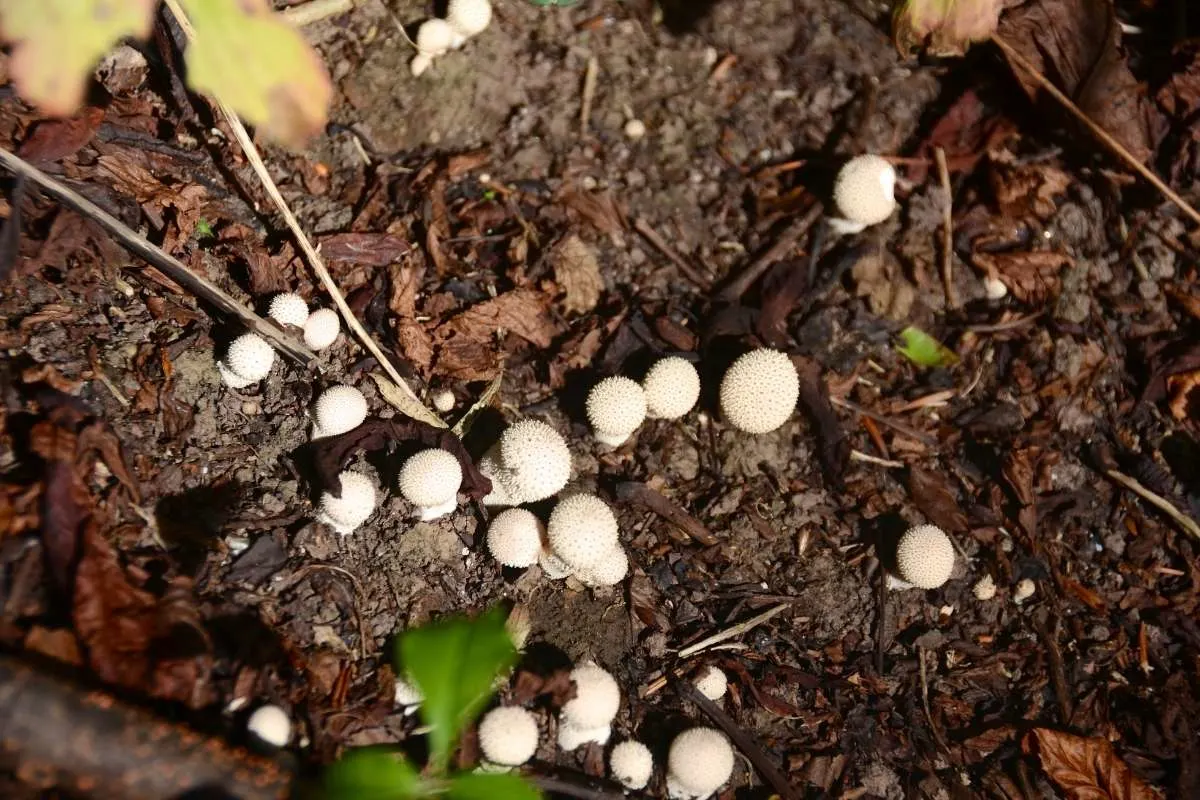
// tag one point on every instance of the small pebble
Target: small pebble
(1024, 591)
(249, 408)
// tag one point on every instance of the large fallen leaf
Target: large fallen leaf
(577, 272)
(1086, 769)
(945, 27)
(252, 60)
(56, 43)
(1032, 277)
(468, 343)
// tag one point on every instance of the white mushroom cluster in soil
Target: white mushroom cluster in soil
(759, 391)
(924, 557)
(631, 764)
(436, 37)
(588, 716)
(356, 503)
(248, 360)
(531, 462)
(430, 480)
(699, 762)
(864, 194)
(508, 736)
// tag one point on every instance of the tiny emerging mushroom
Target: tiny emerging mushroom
(355, 505)
(672, 388)
(467, 18)
(508, 736)
(514, 538)
(288, 308)
(248, 360)
(338, 410)
(430, 480)
(434, 38)
(269, 726)
(759, 391)
(321, 328)
(597, 698)
(631, 764)
(864, 194)
(712, 682)
(699, 761)
(582, 530)
(616, 406)
(925, 557)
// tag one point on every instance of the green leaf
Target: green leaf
(454, 663)
(252, 60)
(371, 773)
(924, 350)
(496, 786)
(56, 44)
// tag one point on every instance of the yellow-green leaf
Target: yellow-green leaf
(56, 44)
(922, 349)
(252, 60)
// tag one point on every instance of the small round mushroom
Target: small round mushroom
(699, 762)
(508, 736)
(712, 682)
(925, 556)
(468, 18)
(985, 588)
(514, 538)
(1024, 590)
(443, 401)
(616, 406)
(610, 570)
(759, 391)
(249, 358)
(321, 328)
(408, 696)
(269, 725)
(631, 764)
(582, 530)
(352, 509)
(434, 37)
(552, 566)
(634, 129)
(530, 462)
(339, 409)
(994, 288)
(597, 698)
(572, 736)
(288, 308)
(672, 388)
(430, 480)
(864, 193)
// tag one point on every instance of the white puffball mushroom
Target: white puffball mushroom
(530, 462)
(635, 129)
(288, 308)
(994, 288)
(420, 63)
(597, 698)
(582, 530)
(552, 566)
(631, 764)
(925, 556)
(352, 509)
(1024, 590)
(672, 387)
(321, 328)
(231, 378)
(514, 538)
(985, 588)
(430, 480)
(699, 762)
(759, 391)
(864, 193)
(712, 683)
(573, 736)
(468, 18)
(338, 410)
(508, 736)
(443, 401)
(610, 570)
(408, 696)
(270, 725)
(434, 37)
(249, 357)
(616, 406)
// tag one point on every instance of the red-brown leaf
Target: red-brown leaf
(1086, 769)
(364, 249)
(52, 140)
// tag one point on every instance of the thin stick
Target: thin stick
(755, 270)
(925, 702)
(170, 266)
(1185, 522)
(867, 458)
(315, 11)
(1096, 130)
(555, 785)
(589, 94)
(310, 253)
(659, 244)
(907, 430)
(947, 229)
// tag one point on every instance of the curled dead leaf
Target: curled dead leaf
(1086, 769)
(577, 273)
(1032, 277)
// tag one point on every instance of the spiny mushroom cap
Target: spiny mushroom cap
(434, 37)
(672, 388)
(504, 490)
(616, 406)
(469, 17)
(700, 761)
(572, 736)
(250, 357)
(443, 400)
(597, 697)
(321, 328)
(925, 556)
(631, 764)
(231, 378)
(536, 459)
(357, 502)
(760, 390)
(582, 530)
(865, 190)
(552, 566)
(431, 478)
(610, 570)
(288, 308)
(508, 736)
(270, 725)
(339, 409)
(712, 683)
(514, 538)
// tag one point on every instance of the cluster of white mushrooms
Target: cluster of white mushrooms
(249, 358)
(436, 37)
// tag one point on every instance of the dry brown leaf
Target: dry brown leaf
(931, 493)
(52, 140)
(1032, 277)
(1182, 387)
(1086, 769)
(522, 312)
(1022, 189)
(364, 249)
(598, 209)
(577, 272)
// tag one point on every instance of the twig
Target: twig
(589, 94)
(1185, 522)
(765, 766)
(169, 265)
(925, 702)
(641, 495)
(315, 11)
(659, 244)
(867, 458)
(907, 430)
(947, 229)
(550, 784)
(1097, 131)
(742, 283)
(310, 253)
(359, 600)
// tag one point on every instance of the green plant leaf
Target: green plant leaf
(371, 773)
(924, 350)
(497, 786)
(454, 663)
(56, 44)
(251, 59)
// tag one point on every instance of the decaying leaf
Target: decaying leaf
(577, 272)
(259, 65)
(945, 27)
(364, 249)
(467, 343)
(1086, 769)
(1031, 277)
(931, 494)
(1021, 188)
(56, 43)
